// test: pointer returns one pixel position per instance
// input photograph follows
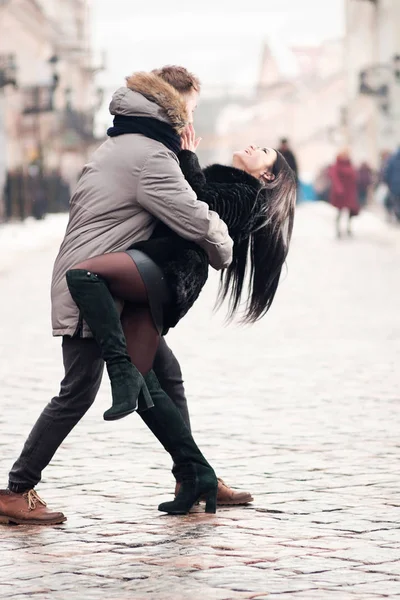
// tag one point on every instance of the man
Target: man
(107, 215)
(285, 150)
(391, 177)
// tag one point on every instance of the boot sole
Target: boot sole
(120, 415)
(12, 521)
(176, 513)
(244, 503)
(233, 502)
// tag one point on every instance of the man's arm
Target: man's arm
(164, 192)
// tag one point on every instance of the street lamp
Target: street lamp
(396, 67)
(39, 99)
(8, 76)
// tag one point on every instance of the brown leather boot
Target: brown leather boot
(26, 509)
(227, 496)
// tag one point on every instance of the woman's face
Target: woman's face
(256, 161)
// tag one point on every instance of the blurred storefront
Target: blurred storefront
(48, 99)
(372, 59)
(300, 95)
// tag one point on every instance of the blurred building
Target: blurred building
(300, 95)
(46, 118)
(372, 59)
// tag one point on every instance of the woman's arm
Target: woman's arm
(192, 171)
(234, 202)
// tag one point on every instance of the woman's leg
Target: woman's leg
(165, 421)
(141, 334)
(92, 284)
(121, 274)
(338, 217)
(352, 214)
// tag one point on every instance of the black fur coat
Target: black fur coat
(231, 193)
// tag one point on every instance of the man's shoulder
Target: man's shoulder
(143, 145)
(133, 147)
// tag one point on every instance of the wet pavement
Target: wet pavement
(301, 409)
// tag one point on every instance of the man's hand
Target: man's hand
(188, 139)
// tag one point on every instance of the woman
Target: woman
(365, 179)
(343, 192)
(161, 278)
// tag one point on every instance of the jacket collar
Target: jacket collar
(225, 174)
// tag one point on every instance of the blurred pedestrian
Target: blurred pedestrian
(36, 192)
(343, 193)
(365, 179)
(322, 184)
(391, 177)
(289, 156)
(382, 194)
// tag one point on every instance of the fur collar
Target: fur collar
(225, 174)
(160, 92)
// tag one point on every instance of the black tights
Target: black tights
(124, 281)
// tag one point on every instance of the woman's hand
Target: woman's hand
(188, 139)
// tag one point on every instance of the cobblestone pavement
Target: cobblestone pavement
(301, 409)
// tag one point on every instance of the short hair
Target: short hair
(284, 140)
(179, 77)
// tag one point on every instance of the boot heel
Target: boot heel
(145, 400)
(211, 501)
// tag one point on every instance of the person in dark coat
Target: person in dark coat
(343, 192)
(289, 156)
(161, 278)
(392, 179)
(322, 184)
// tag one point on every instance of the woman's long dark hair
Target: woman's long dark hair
(264, 252)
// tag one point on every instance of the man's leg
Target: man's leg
(83, 372)
(169, 374)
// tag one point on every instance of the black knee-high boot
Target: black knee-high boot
(197, 476)
(98, 309)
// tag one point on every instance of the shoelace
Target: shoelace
(33, 498)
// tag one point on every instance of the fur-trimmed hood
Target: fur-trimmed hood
(147, 95)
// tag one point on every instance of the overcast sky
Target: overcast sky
(220, 40)
(220, 44)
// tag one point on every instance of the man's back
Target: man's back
(104, 215)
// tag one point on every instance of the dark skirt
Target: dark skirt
(156, 285)
(184, 266)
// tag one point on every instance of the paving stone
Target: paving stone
(301, 409)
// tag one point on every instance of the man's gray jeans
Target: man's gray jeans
(83, 373)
